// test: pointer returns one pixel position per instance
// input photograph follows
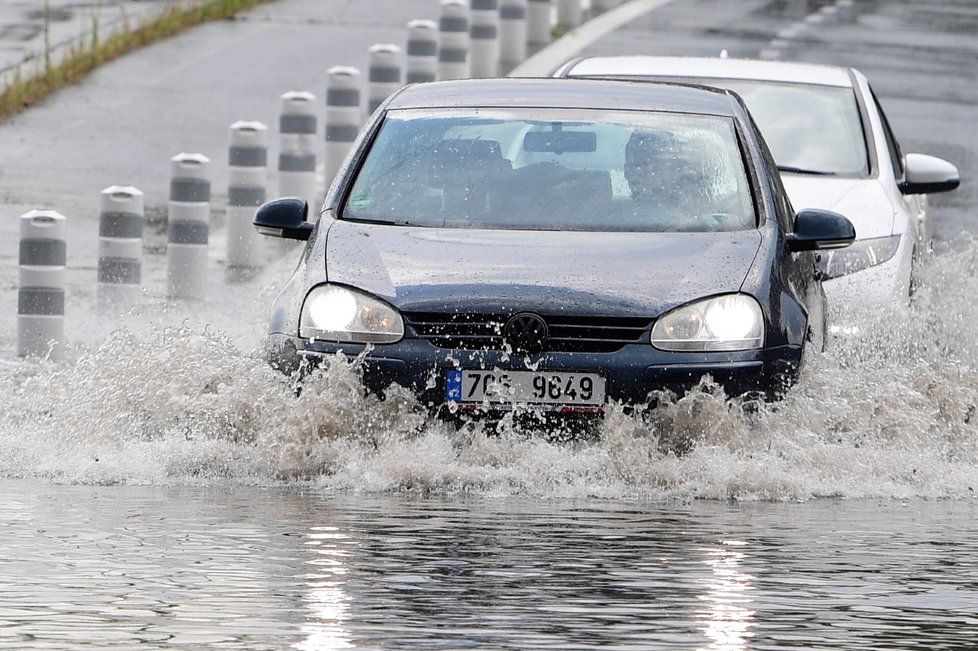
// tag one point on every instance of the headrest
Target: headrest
(453, 157)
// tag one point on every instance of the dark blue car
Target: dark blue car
(559, 244)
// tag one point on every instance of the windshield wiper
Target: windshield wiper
(381, 222)
(802, 170)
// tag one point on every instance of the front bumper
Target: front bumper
(631, 373)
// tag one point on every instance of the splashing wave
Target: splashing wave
(889, 412)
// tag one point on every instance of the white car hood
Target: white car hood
(863, 201)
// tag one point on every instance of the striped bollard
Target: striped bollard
(120, 248)
(538, 27)
(512, 34)
(299, 139)
(41, 288)
(453, 43)
(422, 51)
(189, 226)
(384, 75)
(484, 45)
(343, 117)
(570, 14)
(247, 178)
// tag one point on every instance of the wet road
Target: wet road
(167, 488)
(278, 567)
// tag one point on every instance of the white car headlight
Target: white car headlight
(335, 313)
(731, 322)
(861, 254)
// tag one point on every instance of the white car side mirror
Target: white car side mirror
(925, 174)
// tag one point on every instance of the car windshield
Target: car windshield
(808, 127)
(548, 169)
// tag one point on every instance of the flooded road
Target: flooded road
(266, 568)
(166, 487)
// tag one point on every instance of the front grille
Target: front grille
(567, 333)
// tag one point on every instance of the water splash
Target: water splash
(891, 412)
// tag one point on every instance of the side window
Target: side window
(891, 144)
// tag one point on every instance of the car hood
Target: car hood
(863, 201)
(492, 271)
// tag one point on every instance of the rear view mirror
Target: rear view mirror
(284, 218)
(924, 174)
(819, 230)
(560, 142)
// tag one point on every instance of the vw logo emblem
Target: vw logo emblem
(526, 333)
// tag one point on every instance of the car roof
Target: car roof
(566, 93)
(722, 68)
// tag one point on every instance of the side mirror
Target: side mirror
(924, 174)
(820, 229)
(284, 218)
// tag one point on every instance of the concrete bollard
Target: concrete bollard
(384, 75)
(41, 290)
(189, 226)
(120, 248)
(422, 51)
(247, 178)
(512, 34)
(298, 141)
(484, 33)
(453, 44)
(343, 117)
(570, 13)
(538, 28)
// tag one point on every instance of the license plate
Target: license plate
(531, 387)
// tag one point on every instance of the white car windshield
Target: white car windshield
(808, 127)
(550, 169)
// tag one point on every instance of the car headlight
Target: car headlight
(731, 322)
(861, 254)
(335, 313)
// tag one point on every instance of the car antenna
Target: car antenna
(723, 54)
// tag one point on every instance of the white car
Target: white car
(835, 149)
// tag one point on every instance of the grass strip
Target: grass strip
(81, 58)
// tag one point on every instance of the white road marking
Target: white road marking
(544, 62)
(783, 36)
(791, 31)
